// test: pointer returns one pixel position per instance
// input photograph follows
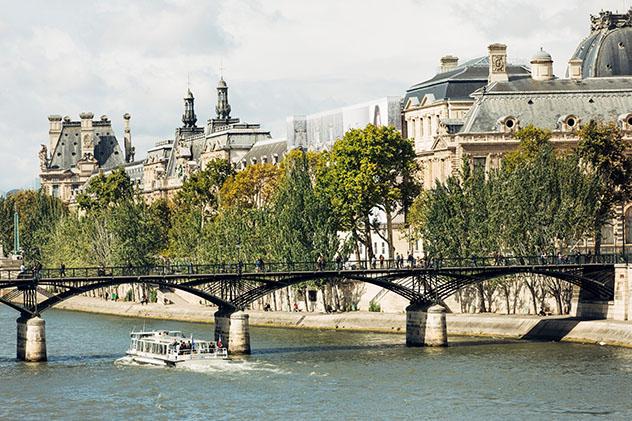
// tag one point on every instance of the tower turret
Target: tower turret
(188, 118)
(223, 107)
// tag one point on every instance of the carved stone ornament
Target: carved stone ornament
(43, 157)
(498, 63)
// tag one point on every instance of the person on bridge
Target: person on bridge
(381, 261)
(338, 262)
(62, 270)
(321, 262)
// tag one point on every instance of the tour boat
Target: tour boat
(172, 348)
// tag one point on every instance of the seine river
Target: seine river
(296, 374)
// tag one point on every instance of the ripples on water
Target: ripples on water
(295, 374)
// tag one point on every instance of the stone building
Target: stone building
(79, 149)
(82, 149)
(598, 86)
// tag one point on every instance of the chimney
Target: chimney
(448, 63)
(127, 136)
(87, 135)
(575, 69)
(54, 131)
(497, 63)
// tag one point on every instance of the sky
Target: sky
(279, 58)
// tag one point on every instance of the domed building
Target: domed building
(598, 86)
(607, 51)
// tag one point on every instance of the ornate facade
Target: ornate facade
(80, 149)
(599, 86)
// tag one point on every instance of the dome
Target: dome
(221, 83)
(541, 56)
(607, 51)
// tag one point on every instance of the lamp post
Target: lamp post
(16, 233)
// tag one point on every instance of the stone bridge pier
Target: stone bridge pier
(426, 325)
(31, 339)
(234, 331)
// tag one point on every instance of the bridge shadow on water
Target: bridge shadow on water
(461, 342)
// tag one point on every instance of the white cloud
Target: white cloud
(281, 57)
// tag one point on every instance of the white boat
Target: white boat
(172, 348)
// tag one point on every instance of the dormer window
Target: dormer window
(625, 121)
(275, 159)
(507, 124)
(253, 161)
(568, 122)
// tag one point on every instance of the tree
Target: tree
(367, 170)
(250, 188)
(103, 191)
(201, 189)
(38, 213)
(602, 150)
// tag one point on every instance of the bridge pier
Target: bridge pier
(426, 326)
(234, 330)
(31, 339)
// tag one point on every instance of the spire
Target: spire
(223, 107)
(188, 118)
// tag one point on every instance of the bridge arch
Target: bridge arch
(599, 283)
(82, 287)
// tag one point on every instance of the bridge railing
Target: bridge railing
(254, 267)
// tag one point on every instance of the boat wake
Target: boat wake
(235, 367)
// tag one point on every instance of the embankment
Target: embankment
(603, 332)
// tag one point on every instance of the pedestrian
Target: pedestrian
(320, 262)
(373, 262)
(62, 270)
(397, 260)
(411, 260)
(338, 262)
(381, 261)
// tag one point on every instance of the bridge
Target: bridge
(234, 287)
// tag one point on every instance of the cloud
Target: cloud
(280, 57)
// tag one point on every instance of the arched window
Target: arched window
(628, 226)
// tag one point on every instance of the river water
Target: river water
(297, 374)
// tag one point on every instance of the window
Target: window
(479, 163)
(383, 248)
(607, 234)
(55, 192)
(416, 245)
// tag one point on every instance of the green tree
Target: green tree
(367, 170)
(38, 213)
(103, 191)
(602, 150)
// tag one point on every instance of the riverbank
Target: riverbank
(554, 328)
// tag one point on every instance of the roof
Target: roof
(460, 82)
(607, 51)
(266, 149)
(542, 103)
(67, 153)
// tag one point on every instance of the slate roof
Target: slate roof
(266, 148)
(542, 103)
(460, 82)
(606, 52)
(107, 151)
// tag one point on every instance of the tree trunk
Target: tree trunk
(534, 295)
(369, 242)
(389, 233)
(481, 298)
(306, 296)
(597, 250)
